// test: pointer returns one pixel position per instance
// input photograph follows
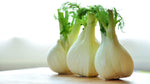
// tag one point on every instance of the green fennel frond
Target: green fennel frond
(66, 17)
(82, 15)
(103, 18)
(118, 19)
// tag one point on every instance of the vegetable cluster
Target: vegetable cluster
(84, 55)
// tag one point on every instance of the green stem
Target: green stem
(90, 28)
(110, 30)
(75, 31)
(72, 36)
(60, 19)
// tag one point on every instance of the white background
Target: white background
(28, 29)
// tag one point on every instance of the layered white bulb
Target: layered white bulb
(81, 55)
(112, 61)
(57, 58)
(58, 53)
(69, 25)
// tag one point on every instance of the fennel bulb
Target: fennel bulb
(68, 34)
(112, 61)
(81, 55)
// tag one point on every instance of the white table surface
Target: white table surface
(43, 75)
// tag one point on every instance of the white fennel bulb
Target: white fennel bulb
(57, 58)
(112, 61)
(81, 55)
(68, 34)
